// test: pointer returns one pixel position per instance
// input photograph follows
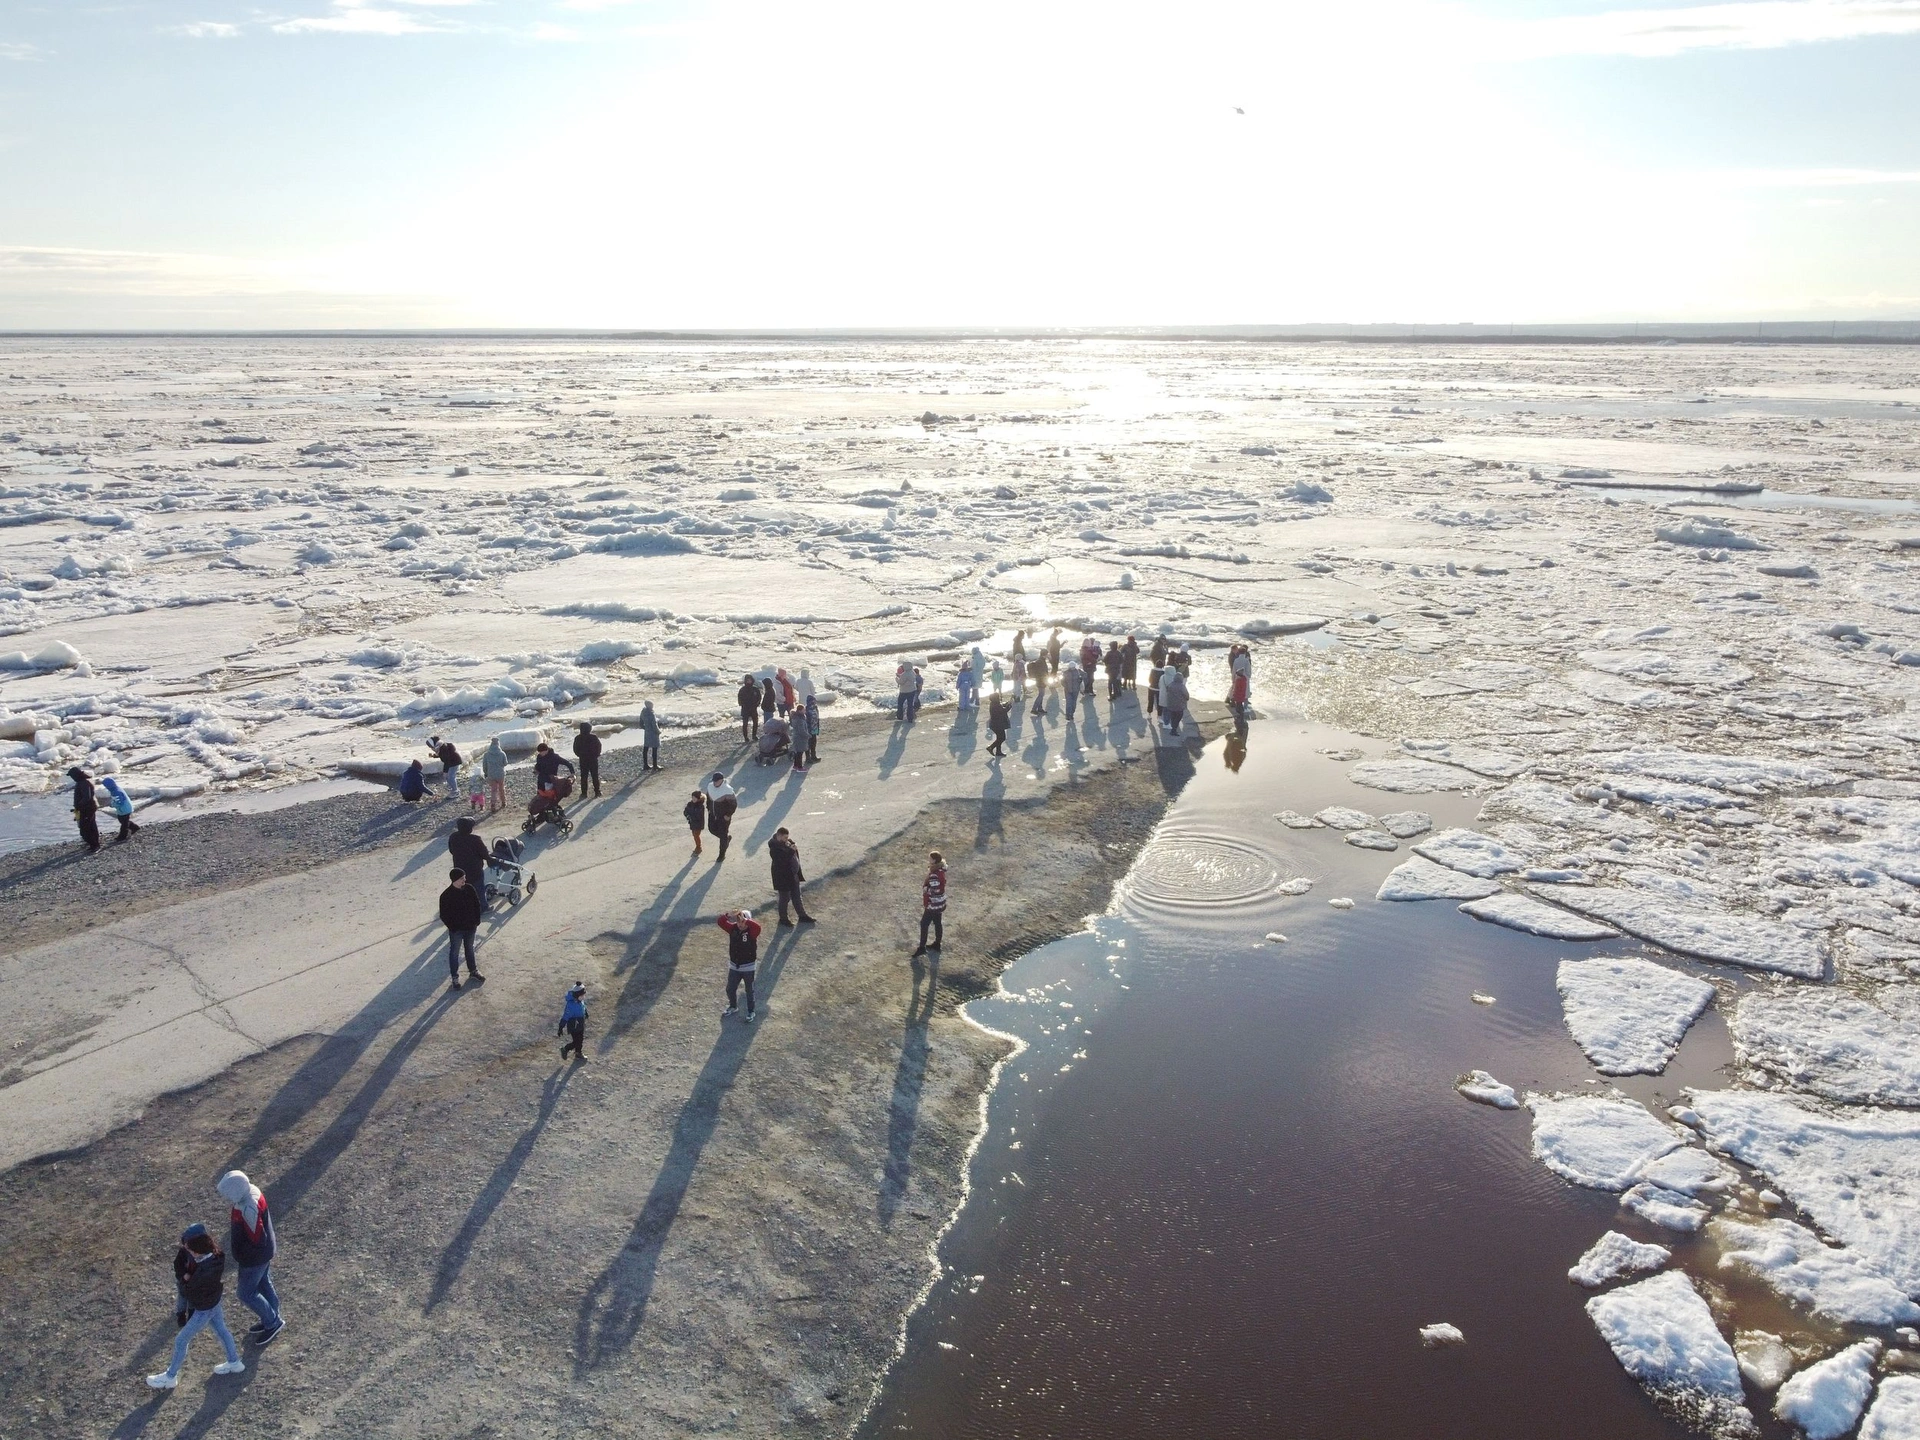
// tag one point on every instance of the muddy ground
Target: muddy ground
(709, 1226)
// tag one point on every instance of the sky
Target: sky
(850, 163)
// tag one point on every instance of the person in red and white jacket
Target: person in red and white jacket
(251, 1244)
(933, 901)
(743, 958)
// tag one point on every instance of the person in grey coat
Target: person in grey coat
(649, 738)
(493, 765)
(1173, 699)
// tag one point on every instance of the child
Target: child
(696, 813)
(477, 790)
(121, 805)
(197, 1269)
(743, 958)
(573, 1020)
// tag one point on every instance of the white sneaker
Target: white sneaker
(749, 1017)
(726, 1010)
(163, 1381)
(230, 1367)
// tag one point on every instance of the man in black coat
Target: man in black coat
(469, 852)
(460, 913)
(787, 878)
(748, 697)
(586, 749)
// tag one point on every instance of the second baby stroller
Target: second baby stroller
(506, 875)
(546, 805)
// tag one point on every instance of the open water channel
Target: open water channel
(1228, 1178)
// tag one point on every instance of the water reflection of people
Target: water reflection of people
(1236, 751)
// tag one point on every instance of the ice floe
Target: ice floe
(1825, 1400)
(1896, 1411)
(1471, 853)
(1696, 930)
(1663, 1335)
(1343, 817)
(1802, 1267)
(1405, 824)
(1536, 917)
(1666, 1208)
(1419, 878)
(1764, 1358)
(1372, 840)
(1629, 1014)
(1435, 1336)
(1614, 1255)
(1833, 1043)
(1479, 1085)
(1413, 777)
(1596, 1140)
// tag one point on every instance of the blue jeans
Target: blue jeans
(453, 781)
(255, 1291)
(197, 1322)
(900, 707)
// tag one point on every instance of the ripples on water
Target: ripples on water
(1228, 1178)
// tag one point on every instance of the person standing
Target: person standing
(649, 738)
(1053, 652)
(469, 852)
(1130, 662)
(787, 877)
(450, 763)
(573, 1023)
(743, 958)
(1173, 699)
(252, 1244)
(933, 902)
(1155, 675)
(1112, 662)
(919, 688)
(1037, 672)
(963, 686)
(86, 807)
(1018, 662)
(586, 749)
(902, 682)
(748, 699)
(812, 713)
(493, 765)
(997, 714)
(696, 813)
(767, 701)
(121, 804)
(460, 913)
(998, 676)
(1070, 685)
(1089, 660)
(722, 802)
(198, 1267)
(787, 697)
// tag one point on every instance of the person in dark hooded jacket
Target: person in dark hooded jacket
(586, 749)
(748, 699)
(413, 783)
(460, 913)
(86, 807)
(198, 1267)
(787, 876)
(469, 852)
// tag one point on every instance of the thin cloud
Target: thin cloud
(1837, 178)
(205, 30)
(356, 17)
(1754, 25)
(19, 50)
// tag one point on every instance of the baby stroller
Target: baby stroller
(546, 805)
(776, 738)
(506, 875)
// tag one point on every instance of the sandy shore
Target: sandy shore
(707, 1227)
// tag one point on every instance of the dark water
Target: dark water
(1229, 1180)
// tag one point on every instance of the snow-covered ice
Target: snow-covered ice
(1536, 917)
(1666, 1208)
(1405, 824)
(1436, 1335)
(1895, 1413)
(1825, 1400)
(1662, 1333)
(1471, 853)
(1372, 840)
(1413, 777)
(1614, 1255)
(1596, 1140)
(1343, 817)
(1479, 1085)
(1833, 1043)
(1797, 1263)
(1629, 1014)
(1698, 930)
(1418, 878)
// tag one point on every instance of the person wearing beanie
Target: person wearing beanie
(86, 807)
(722, 802)
(197, 1269)
(251, 1243)
(586, 749)
(573, 1023)
(460, 913)
(743, 958)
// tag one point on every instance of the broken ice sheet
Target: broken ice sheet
(1536, 917)
(1629, 1014)
(1470, 852)
(1825, 1400)
(1418, 878)
(1479, 1086)
(1692, 929)
(1596, 1140)
(1614, 1255)
(1664, 1336)
(1797, 1263)
(1832, 1043)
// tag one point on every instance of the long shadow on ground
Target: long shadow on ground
(903, 1112)
(615, 1305)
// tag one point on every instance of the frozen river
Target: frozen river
(1637, 625)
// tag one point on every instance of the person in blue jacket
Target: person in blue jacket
(413, 783)
(121, 804)
(573, 1022)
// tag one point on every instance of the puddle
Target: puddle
(30, 820)
(1227, 1179)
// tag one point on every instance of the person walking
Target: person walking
(121, 804)
(493, 765)
(86, 807)
(1017, 661)
(767, 701)
(696, 812)
(722, 802)
(469, 852)
(1130, 662)
(933, 902)
(747, 697)
(198, 1266)
(1053, 652)
(649, 738)
(812, 713)
(1112, 662)
(573, 1023)
(450, 763)
(1070, 685)
(787, 877)
(1173, 699)
(743, 958)
(586, 749)
(252, 1245)
(997, 719)
(460, 913)
(1037, 672)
